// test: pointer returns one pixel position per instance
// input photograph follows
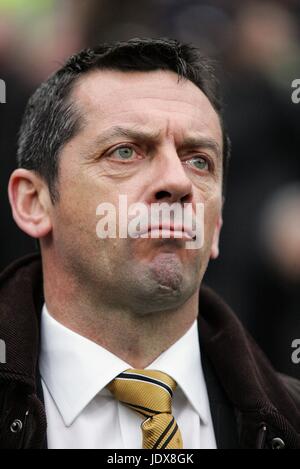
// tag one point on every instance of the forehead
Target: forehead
(157, 99)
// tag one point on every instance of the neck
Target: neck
(137, 339)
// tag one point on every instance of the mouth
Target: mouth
(168, 232)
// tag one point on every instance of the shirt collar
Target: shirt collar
(75, 369)
(182, 361)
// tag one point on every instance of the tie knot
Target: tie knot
(148, 392)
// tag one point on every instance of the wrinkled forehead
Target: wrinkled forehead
(109, 97)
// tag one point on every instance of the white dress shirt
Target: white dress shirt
(82, 413)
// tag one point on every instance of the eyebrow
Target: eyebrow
(144, 135)
(200, 141)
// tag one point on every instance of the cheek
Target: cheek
(212, 214)
(75, 216)
(82, 190)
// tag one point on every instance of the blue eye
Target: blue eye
(124, 153)
(200, 163)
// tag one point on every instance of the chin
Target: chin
(163, 292)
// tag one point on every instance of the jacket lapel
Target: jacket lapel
(223, 414)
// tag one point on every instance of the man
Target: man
(112, 342)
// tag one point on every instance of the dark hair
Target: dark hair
(51, 119)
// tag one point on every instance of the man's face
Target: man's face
(154, 139)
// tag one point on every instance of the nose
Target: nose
(170, 182)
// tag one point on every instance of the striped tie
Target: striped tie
(149, 393)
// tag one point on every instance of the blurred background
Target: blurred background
(258, 46)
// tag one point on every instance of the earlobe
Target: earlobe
(216, 239)
(29, 206)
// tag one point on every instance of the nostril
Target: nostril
(186, 199)
(162, 194)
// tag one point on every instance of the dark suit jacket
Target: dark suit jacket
(252, 406)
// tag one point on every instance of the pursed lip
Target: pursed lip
(169, 231)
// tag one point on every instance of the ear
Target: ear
(30, 202)
(216, 238)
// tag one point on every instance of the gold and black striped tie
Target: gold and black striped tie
(149, 393)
